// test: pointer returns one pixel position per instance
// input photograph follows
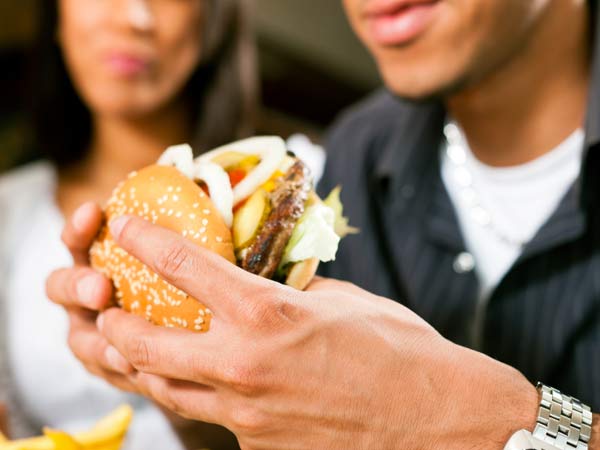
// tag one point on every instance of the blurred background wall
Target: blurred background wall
(311, 68)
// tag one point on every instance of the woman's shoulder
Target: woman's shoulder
(29, 178)
(21, 190)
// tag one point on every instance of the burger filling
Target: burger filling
(264, 196)
(287, 204)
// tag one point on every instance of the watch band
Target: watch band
(563, 422)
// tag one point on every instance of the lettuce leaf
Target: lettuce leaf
(313, 236)
(341, 226)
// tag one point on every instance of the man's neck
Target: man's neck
(534, 101)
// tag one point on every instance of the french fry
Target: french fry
(108, 434)
(61, 440)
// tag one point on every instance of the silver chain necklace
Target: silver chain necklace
(457, 155)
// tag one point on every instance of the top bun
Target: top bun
(165, 197)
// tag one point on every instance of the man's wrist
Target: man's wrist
(524, 414)
(499, 397)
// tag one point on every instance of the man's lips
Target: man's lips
(397, 22)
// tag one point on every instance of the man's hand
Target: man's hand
(333, 367)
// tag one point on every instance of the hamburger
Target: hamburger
(252, 202)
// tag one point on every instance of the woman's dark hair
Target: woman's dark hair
(222, 91)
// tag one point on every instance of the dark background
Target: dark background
(311, 67)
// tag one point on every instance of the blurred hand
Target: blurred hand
(334, 367)
(83, 292)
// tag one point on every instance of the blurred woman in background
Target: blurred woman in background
(115, 83)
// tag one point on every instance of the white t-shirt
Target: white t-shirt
(518, 200)
(52, 386)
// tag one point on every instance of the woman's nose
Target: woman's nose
(139, 14)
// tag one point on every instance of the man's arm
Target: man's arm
(334, 367)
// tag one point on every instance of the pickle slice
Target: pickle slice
(248, 218)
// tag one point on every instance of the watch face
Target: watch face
(523, 440)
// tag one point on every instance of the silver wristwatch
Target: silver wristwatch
(563, 423)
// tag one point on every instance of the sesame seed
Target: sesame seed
(219, 239)
(178, 214)
(170, 189)
(204, 239)
(175, 197)
(170, 213)
(204, 222)
(192, 216)
(206, 211)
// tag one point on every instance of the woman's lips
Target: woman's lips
(399, 22)
(127, 65)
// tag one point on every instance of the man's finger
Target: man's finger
(189, 400)
(79, 287)
(220, 285)
(92, 348)
(80, 231)
(167, 352)
(120, 381)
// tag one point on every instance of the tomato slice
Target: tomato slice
(236, 175)
(239, 205)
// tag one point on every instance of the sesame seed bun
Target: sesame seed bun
(166, 197)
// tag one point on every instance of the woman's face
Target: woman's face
(130, 57)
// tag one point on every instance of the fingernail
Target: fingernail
(86, 290)
(100, 322)
(80, 217)
(116, 225)
(116, 361)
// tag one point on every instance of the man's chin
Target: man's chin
(423, 89)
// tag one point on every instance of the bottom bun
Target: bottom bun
(302, 273)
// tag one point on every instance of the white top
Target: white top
(518, 200)
(52, 386)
